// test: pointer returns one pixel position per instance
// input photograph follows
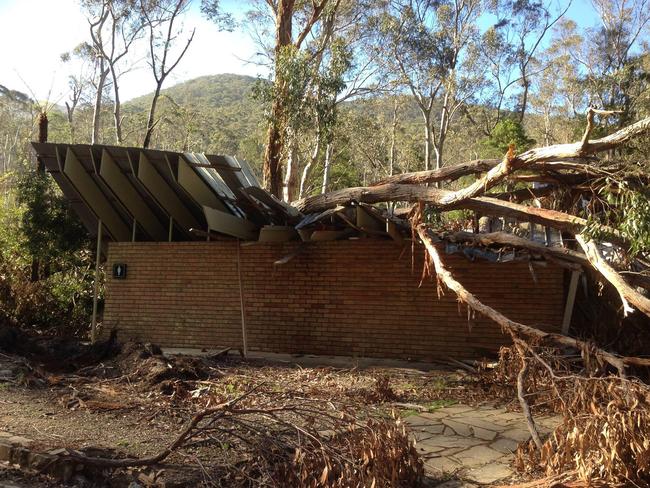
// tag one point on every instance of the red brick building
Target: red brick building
(350, 297)
(211, 259)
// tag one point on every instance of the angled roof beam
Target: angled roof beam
(94, 198)
(128, 195)
(164, 195)
(225, 223)
(197, 187)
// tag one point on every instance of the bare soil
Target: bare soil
(131, 401)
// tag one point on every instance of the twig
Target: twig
(521, 392)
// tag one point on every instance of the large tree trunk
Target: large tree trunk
(117, 117)
(326, 168)
(306, 172)
(428, 142)
(98, 103)
(442, 133)
(289, 184)
(627, 292)
(150, 118)
(437, 198)
(275, 142)
(512, 327)
(393, 137)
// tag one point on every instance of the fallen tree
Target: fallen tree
(627, 292)
(435, 198)
(512, 327)
(576, 158)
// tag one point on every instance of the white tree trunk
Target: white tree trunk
(326, 169)
(306, 172)
(103, 73)
(288, 185)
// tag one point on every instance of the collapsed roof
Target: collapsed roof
(151, 195)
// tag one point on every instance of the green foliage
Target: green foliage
(38, 231)
(51, 230)
(505, 133)
(627, 210)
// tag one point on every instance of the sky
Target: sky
(34, 34)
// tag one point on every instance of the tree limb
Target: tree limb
(516, 328)
(627, 293)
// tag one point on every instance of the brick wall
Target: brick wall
(353, 298)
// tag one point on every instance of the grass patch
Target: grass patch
(437, 404)
(408, 413)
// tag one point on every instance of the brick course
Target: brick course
(353, 298)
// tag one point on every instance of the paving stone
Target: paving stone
(430, 451)
(422, 435)
(458, 428)
(480, 422)
(484, 434)
(489, 473)
(518, 434)
(456, 484)
(455, 409)
(477, 456)
(448, 431)
(506, 446)
(451, 451)
(432, 428)
(509, 416)
(490, 411)
(436, 415)
(442, 465)
(416, 421)
(446, 441)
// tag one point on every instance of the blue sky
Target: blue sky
(41, 30)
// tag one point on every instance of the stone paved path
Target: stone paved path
(475, 444)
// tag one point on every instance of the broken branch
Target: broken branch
(626, 291)
(511, 326)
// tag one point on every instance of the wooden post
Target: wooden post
(98, 256)
(241, 303)
(171, 228)
(570, 300)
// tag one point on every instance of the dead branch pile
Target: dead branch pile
(250, 425)
(605, 433)
(266, 438)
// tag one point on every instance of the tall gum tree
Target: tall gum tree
(285, 45)
(429, 49)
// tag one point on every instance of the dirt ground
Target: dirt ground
(134, 402)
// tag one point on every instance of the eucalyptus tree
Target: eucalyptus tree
(289, 57)
(511, 50)
(608, 56)
(161, 20)
(79, 82)
(429, 48)
(114, 27)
